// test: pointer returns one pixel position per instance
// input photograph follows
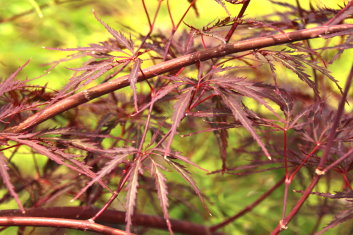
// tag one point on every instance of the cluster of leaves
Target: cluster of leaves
(124, 143)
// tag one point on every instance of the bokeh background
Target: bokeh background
(26, 26)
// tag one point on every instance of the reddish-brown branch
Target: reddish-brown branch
(174, 64)
(109, 217)
(84, 225)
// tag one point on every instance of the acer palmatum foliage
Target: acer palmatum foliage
(237, 100)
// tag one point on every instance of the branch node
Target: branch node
(283, 224)
(320, 172)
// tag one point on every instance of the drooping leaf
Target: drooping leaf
(133, 80)
(178, 114)
(59, 157)
(182, 158)
(132, 193)
(9, 110)
(93, 149)
(109, 166)
(292, 62)
(342, 217)
(162, 191)
(188, 178)
(118, 36)
(220, 2)
(234, 105)
(248, 89)
(159, 95)
(10, 84)
(220, 133)
(6, 179)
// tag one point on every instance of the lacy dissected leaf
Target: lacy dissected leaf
(234, 104)
(222, 140)
(132, 193)
(294, 122)
(217, 24)
(133, 80)
(346, 45)
(165, 90)
(6, 179)
(342, 217)
(303, 48)
(280, 96)
(296, 63)
(59, 157)
(220, 132)
(206, 32)
(185, 174)
(123, 41)
(180, 107)
(10, 83)
(109, 167)
(293, 63)
(99, 50)
(90, 73)
(92, 148)
(313, 15)
(220, 2)
(8, 110)
(249, 89)
(182, 158)
(162, 191)
(322, 70)
(338, 195)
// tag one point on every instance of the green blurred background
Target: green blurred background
(50, 23)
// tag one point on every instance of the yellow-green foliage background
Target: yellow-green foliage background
(73, 25)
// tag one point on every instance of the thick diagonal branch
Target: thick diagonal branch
(84, 225)
(108, 217)
(177, 63)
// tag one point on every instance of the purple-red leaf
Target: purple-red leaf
(224, 6)
(118, 36)
(10, 84)
(59, 157)
(133, 80)
(182, 158)
(179, 112)
(187, 177)
(159, 95)
(234, 105)
(109, 166)
(6, 179)
(132, 193)
(247, 89)
(162, 191)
